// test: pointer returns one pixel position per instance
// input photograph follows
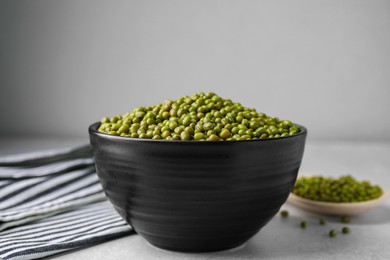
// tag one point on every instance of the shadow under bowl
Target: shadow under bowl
(193, 196)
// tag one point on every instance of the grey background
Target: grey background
(323, 64)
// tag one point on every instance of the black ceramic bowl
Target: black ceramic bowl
(197, 196)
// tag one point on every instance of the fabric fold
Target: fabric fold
(51, 201)
(84, 226)
(47, 156)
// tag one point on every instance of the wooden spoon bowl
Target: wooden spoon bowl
(336, 209)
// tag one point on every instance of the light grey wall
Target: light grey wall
(324, 64)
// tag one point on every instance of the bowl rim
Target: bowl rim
(92, 129)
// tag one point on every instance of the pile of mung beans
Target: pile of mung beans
(200, 117)
(342, 189)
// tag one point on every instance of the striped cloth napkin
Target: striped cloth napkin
(51, 201)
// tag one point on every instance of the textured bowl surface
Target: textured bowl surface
(197, 196)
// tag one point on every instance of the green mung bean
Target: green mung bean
(303, 224)
(332, 233)
(284, 213)
(202, 117)
(345, 230)
(343, 189)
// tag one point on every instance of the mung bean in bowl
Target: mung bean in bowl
(203, 173)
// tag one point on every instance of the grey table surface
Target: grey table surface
(280, 238)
